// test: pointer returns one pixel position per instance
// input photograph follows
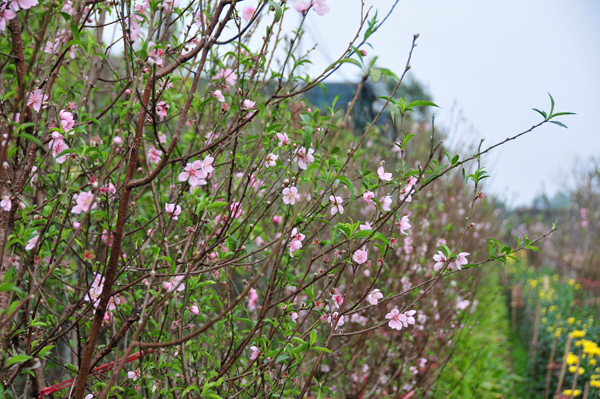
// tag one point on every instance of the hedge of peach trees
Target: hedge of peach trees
(176, 222)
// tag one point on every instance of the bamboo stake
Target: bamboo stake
(536, 331)
(551, 364)
(563, 369)
(576, 375)
(586, 390)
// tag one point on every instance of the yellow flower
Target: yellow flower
(595, 384)
(593, 362)
(571, 320)
(572, 369)
(577, 286)
(568, 392)
(558, 332)
(533, 283)
(571, 281)
(571, 359)
(544, 320)
(578, 334)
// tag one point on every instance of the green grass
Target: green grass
(482, 365)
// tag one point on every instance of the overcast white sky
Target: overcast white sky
(493, 61)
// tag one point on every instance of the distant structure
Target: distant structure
(369, 103)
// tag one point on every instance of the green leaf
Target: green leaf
(563, 113)
(551, 104)
(277, 8)
(217, 204)
(20, 358)
(75, 30)
(421, 103)
(45, 350)
(321, 349)
(189, 389)
(10, 287)
(350, 186)
(281, 358)
(559, 124)
(347, 60)
(406, 140)
(540, 112)
(308, 132)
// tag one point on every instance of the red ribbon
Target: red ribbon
(100, 369)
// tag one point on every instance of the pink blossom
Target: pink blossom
(161, 109)
(368, 197)
(332, 319)
(108, 188)
(57, 146)
(173, 211)
(93, 295)
(32, 243)
(248, 104)
(320, 7)
(226, 74)
(440, 259)
(96, 141)
(6, 14)
(154, 154)
(200, 18)
(338, 299)
(290, 195)
(296, 242)
(283, 139)
(169, 5)
(134, 375)
(461, 260)
(194, 309)
(301, 5)
(294, 316)
(360, 256)
(85, 202)
(219, 95)
(303, 158)
(255, 353)
(336, 205)
(409, 319)
(155, 55)
(106, 239)
(404, 225)
(271, 160)
(36, 99)
(252, 299)
(194, 173)
(174, 284)
(6, 203)
(236, 209)
(408, 190)
(374, 296)
(385, 203)
(66, 120)
(385, 176)
(366, 226)
(24, 4)
(396, 319)
(277, 219)
(462, 304)
(248, 12)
